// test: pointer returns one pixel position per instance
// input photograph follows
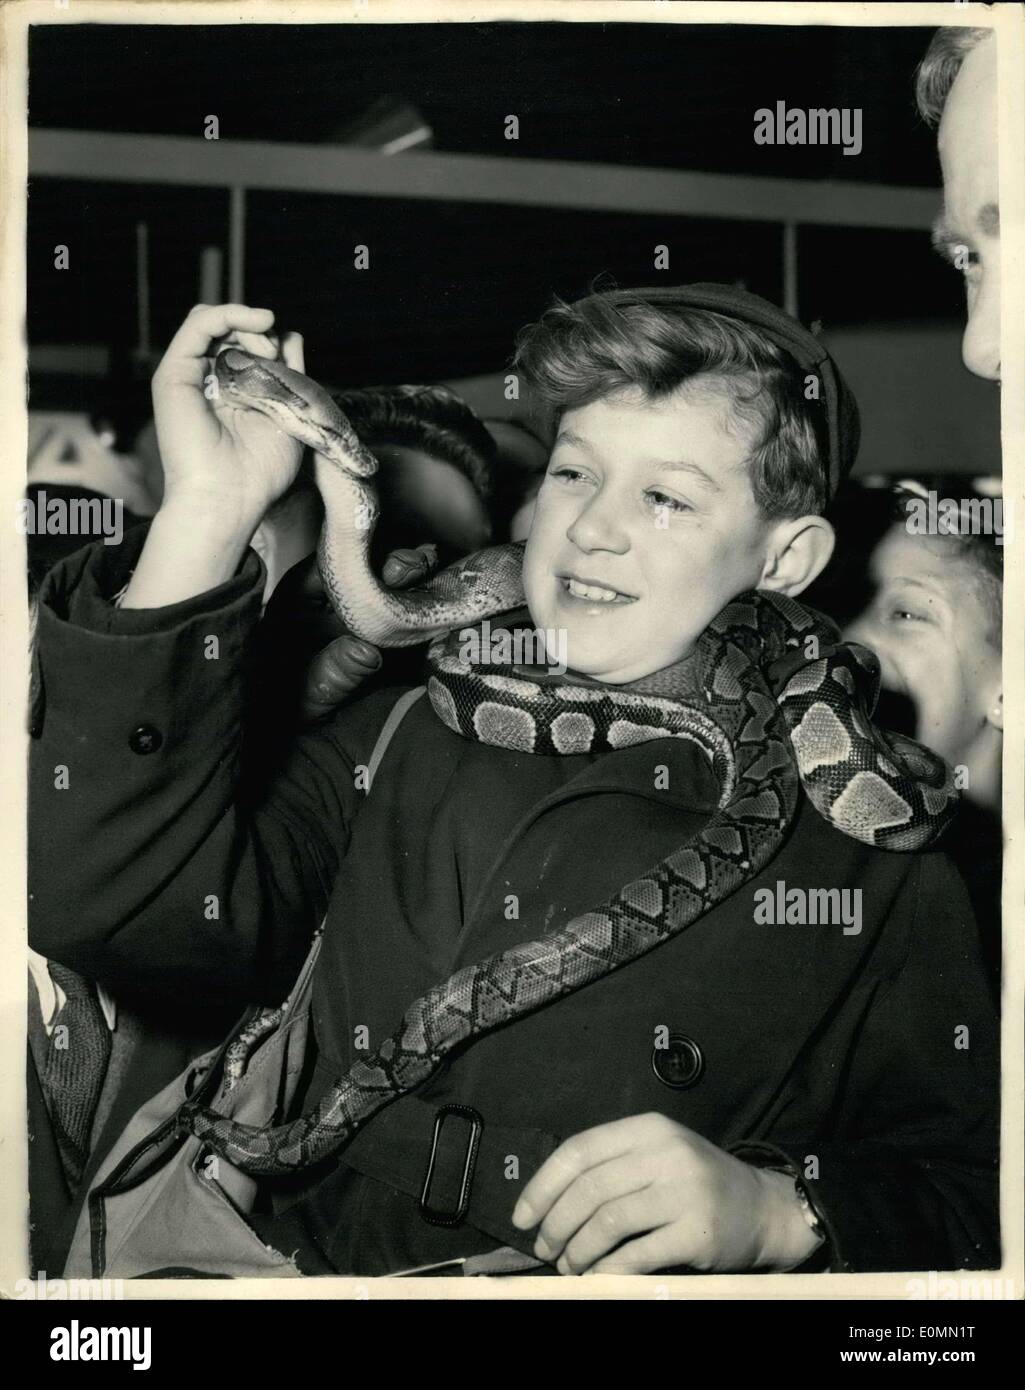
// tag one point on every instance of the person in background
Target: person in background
(435, 485)
(956, 90)
(934, 608)
(934, 621)
(88, 444)
(523, 457)
(435, 480)
(429, 428)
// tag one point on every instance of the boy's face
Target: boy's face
(646, 526)
(929, 625)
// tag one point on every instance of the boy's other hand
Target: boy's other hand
(644, 1194)
(218, 457)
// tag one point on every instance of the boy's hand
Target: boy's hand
(231, 461)
(223, 466)
(645, 1194)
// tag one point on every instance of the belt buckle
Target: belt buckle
(432, 1214)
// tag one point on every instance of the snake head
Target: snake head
(296, 404)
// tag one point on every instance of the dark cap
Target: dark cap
(840, 409)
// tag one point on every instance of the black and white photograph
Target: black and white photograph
(506, 519)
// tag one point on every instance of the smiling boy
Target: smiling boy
(660, 1117)
(653, 493)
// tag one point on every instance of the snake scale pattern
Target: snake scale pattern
(770, 694)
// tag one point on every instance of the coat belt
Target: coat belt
(497, 1161)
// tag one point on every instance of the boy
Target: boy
(658, 1118)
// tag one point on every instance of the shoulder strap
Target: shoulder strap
(396, 715)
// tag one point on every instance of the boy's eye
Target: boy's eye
(663, 501)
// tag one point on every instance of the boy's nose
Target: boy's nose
(599, 526)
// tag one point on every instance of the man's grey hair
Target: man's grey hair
(938, 69)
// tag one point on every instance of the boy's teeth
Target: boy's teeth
(591, 591)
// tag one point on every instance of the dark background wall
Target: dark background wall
(451, 282)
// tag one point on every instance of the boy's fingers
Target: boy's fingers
(601, 1186)
(570, 1159)
(208, 321)
(608, 1226)
(259, 344)
(293, 352)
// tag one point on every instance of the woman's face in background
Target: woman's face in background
(930, 623)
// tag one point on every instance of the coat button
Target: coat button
(679, 1064)
(145, 739)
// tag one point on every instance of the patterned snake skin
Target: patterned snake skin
(775, 702)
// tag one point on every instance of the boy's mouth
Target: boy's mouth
(590, 591)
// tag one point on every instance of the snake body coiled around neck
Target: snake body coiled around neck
(770, 695)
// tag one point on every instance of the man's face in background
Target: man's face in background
(969, 230)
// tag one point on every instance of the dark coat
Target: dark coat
(839, 1051)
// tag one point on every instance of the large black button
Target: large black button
(145, 739)
(679, 1064)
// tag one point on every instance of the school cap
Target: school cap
(836, 400)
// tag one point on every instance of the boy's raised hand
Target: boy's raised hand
(644, 1194)
(233, 460)
(223, 466)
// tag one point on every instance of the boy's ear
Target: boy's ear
(797, 552)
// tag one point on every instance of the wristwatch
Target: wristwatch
(820, 1258)
(774, 1160)
(807, 1210)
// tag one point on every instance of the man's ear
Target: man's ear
(798, 551)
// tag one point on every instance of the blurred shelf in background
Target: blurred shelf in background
(632, 137)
